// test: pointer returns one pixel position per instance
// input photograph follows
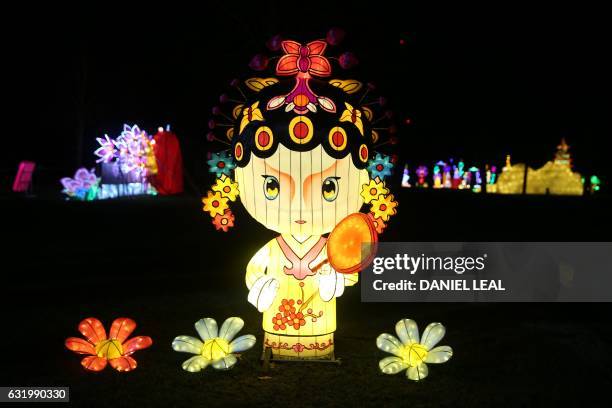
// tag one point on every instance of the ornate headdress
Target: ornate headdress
(301, 107)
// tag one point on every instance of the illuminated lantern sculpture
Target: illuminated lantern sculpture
(458, 174)
(301, 159)
(446, 176)
(437, 176)
(114, 349)
(217, 348)
(421, 173)
(475, 180)
(411, 352)
(554, 177)
(406, 177)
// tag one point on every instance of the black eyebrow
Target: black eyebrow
(268, 175)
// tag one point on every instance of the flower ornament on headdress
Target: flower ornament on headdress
(303, 58)
(114, 349)
(303, 61)
(380, 166)
(215, 203)
(226, 187)
(216, 347)
(224, 221)
(374, 189)
(411, 352)
(352, 115)
(221, 163)
(250, 114)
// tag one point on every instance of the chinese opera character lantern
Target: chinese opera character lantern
(302, 156)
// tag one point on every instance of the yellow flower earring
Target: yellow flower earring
(216, 202)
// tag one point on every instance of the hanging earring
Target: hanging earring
(216, 202)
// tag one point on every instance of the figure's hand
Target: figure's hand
(263, 292)
(331, 283)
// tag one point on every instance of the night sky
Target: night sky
(477, 83)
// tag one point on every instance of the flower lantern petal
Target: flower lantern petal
(327, 104)
(439, 355)
(225, 363)
(121, 329)
(390, 344)
(135, 344)
(195, 364)
(276, 102)
(319, 66)
(230, 328)
(94, 363)
(123, 363)
(93, 330)
(242, 343)
(407, 331)
(187, 344)
(316, 47)
(80, 346)
(207, 328)
(392, 365)
(417, 373)
(287, 65)
(290, 47)
(432, 335)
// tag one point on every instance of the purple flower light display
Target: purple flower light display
(107, 151)
(81, 185)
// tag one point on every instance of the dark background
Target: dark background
(478, 82)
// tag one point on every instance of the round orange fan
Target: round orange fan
(352, 244)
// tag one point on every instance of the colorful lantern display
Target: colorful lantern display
(217, 348)
(555, 177)
(421, 173)
(437, 175)
(302, 159)
(114, 349)
(406, 177)
(595, 183)
(131, 164)
(411, 352)
(474, 182)
(446, 176)
(83, 186)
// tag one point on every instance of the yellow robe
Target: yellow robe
(299, 323)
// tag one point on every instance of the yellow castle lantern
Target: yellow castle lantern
(555, 177)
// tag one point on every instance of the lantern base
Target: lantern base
(299, 348)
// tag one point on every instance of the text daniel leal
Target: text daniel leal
(441, 284)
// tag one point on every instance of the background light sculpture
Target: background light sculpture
(134, 163)
(302, 159)
(411, 352)
(114, 349)
(218, 348)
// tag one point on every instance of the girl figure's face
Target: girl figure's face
(300, 193)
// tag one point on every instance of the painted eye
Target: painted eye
(330, 188)
(271, 187)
